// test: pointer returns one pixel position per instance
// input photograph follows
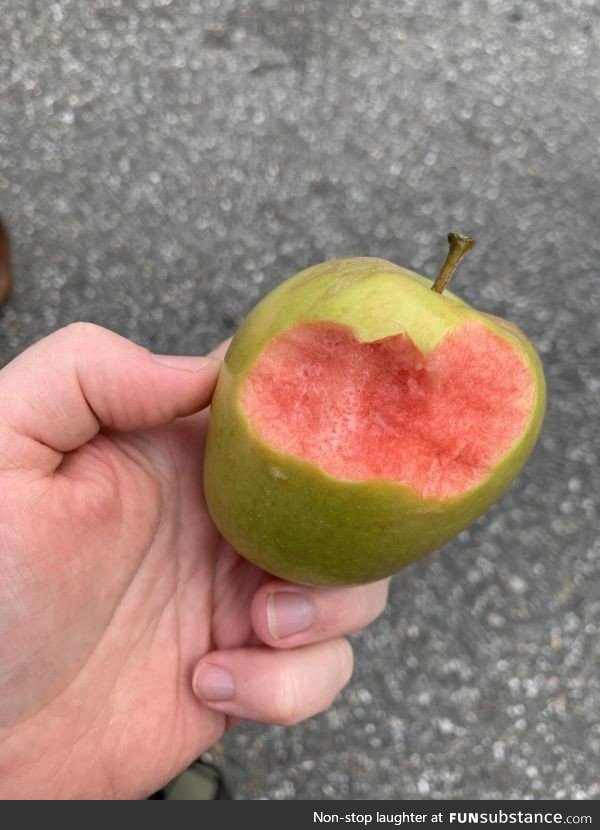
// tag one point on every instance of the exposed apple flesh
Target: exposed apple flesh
(437, 423)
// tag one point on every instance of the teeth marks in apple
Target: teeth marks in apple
(437, 423)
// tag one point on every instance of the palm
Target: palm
(138, 585)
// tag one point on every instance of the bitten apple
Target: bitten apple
(362, 419)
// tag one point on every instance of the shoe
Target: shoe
(199, 782)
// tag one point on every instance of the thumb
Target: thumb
(64, 389)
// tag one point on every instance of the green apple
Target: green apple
(362, 420)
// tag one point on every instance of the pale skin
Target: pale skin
(119, 598)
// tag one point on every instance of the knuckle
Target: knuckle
(382, 595)
(345, 661)
(80, 331)
(285, 702)
(345, 664)
(80, 337)
(375, 601)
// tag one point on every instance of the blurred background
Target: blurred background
(164, 164)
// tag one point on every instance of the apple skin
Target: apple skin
(290, 517)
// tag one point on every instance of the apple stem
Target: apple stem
(5, 270)
(459, 245)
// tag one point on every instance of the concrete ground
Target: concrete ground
(163, 165)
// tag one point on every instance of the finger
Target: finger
(64, 389)
(221, 350)
(278, 687)
(285, 615)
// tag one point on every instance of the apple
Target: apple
(364, 416)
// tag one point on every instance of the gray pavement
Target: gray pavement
(163, 165)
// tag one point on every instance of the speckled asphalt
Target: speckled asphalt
(163, 164)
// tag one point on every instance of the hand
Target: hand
(130, 633)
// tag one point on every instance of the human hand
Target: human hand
(131, 634)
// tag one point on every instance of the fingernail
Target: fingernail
(212, 683)
(288, 612)
(188, 363)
